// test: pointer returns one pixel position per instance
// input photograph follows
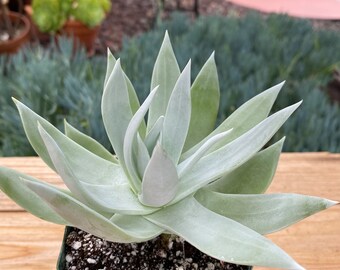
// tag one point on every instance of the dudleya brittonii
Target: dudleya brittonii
(176, 174)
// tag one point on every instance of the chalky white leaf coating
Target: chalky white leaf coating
(134, 197)
(160, 180)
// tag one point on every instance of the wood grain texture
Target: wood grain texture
(28, 243)
(32, 166)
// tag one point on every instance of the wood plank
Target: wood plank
(314, 242)
(28, 243)
(32, 166)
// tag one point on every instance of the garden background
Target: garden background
(253, 52)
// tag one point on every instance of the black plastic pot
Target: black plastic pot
(61, 264)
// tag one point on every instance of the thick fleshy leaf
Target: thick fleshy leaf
(187, 164)
(165, 74)
(133, 98)
(137, 224)
(233, 155)
(244, 118)
(220, 237)
(142, 156)
(13, 186)
(88, 143)
(118, 195)
(252, 177)
(116, 110)
(153, 135)
(205, 99)
(85, 218)
(263, 213)
(177, 117)
(110, 64)
(30, 121)
(94, 163)
(90, 167)
(160, 180)
(130, 142)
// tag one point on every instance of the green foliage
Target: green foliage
(50, 16)
(54, 83)
(90, 12)
(252, 54)
(151, 185)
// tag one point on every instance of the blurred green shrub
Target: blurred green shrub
(253, 54)
(51, 15)
(54, 83)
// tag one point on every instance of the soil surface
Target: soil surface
(85, 251)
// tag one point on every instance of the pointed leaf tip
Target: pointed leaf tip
(212, 56)
(330, 203)
(109, 53)
(15, 100)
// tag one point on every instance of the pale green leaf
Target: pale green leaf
(89, 166)
(187, 164)
(137, 224)
(142, 156)
(228, 158)
(160, 180)
(116, 110)
(120, 197)
(165, 74)
(13, 186)
(205, 98)
(252, 177)
(153, 135)
(177, 117)
(88, 143)
(133, 98)
(263, 213)
(110, 64)
(220, 237)
(244, 118)
(130, 141)
(81, 216)
(29, 120)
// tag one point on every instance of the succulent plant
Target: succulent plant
(172, 174)
(51, 15)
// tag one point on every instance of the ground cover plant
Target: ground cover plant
(56, 83)
(252, 53)
(172, 174)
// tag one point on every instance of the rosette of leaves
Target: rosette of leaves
(174, 174)
(50, 15)
(90, 12)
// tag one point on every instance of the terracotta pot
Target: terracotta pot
(13, 45)
(81, 33)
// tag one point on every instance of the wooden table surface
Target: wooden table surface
(28, 243)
